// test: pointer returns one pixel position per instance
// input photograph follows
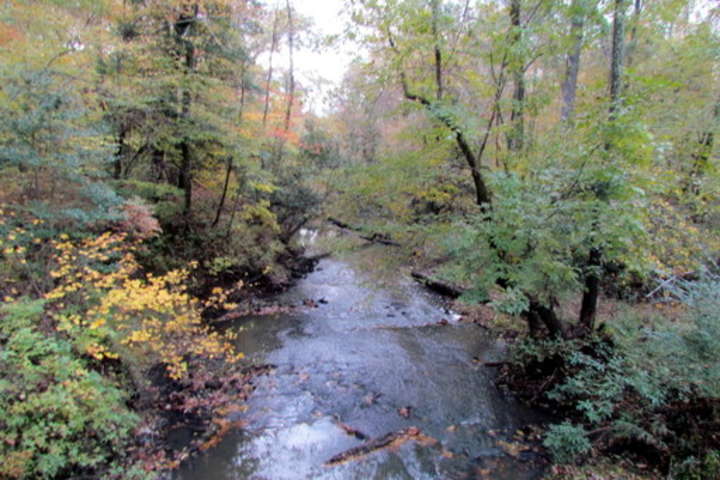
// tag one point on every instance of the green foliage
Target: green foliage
(52, 152)
(59, 417)
(567, 442)
(293, 203)
(636, 385)
(540, 251)
(681, 355)
(219, 265)
(698, 468)
(150, 191)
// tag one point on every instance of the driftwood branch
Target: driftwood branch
(380, 238)
(391, 440)
(443, 288)
(495, 364)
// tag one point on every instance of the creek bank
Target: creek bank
(184, 418)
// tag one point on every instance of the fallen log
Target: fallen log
(319, 256)
(495, 364)
(339, 224)
(443, 288)
(390, 440)
(353, 432)
(380, 238)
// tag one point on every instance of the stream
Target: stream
(378, 354)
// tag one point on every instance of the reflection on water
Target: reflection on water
(357, 360)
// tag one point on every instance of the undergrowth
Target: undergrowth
(647, 391)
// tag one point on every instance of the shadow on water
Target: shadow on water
(357, 360)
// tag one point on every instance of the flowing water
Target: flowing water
(375, 345)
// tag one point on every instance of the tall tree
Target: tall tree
(184, 28)
(291, 66)
(578, 14)
(268, 81)
(588, 310)
(516, 136)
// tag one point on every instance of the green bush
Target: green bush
(58, 417)
(567, 442)
(703, 468)
(653, 382)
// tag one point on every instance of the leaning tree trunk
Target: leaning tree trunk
(230, 160)
(537, 314)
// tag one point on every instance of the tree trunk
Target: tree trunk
(483, 197)
(538, 313)
(632, 44)
(221, 204)
(185, 178)
(569, 86)
(184, 25)
(158, 166)
(516, 136)
(229, 164)
(291, 73)
(268, 82)
(702, 153)
(240, 175)
(594, 264)
(438, 49)
(120, 154)
(617, 65)
(588, 311)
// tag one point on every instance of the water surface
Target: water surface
(375, 344)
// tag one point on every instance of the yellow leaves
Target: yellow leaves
(99, 352)
(66, 323)
(263, 187)
(55, 295)
(98, 323)
(151, 318)
(678, 246)
(138, 336)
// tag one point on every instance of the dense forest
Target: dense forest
(551, 165)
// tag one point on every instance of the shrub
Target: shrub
(57, 415)
(112, 311)
(72, 358)
(693, 468)
(567, 442)
(656, 386)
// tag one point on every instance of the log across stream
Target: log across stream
(377, 381)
